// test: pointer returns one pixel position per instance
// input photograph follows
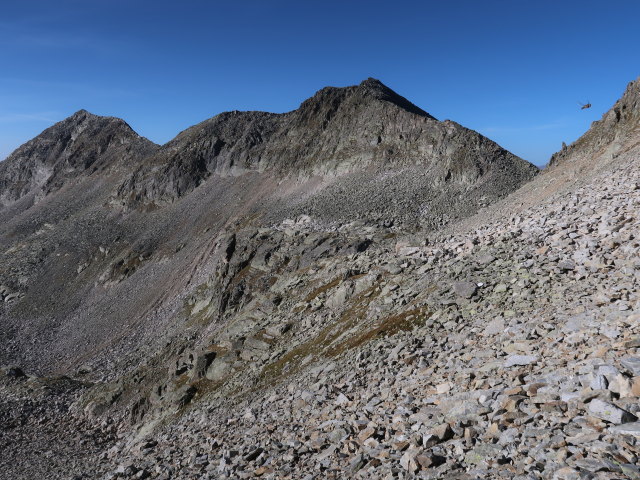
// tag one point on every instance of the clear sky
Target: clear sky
(514, 70)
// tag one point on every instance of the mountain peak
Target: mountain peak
(82, 142)
(82, 115)
(373, 83)
(369, 89)
(380, 91)
(338, 130)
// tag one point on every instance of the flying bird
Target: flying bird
(584, 106)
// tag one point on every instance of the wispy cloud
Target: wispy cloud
(523, 129)
(47, 37)
(28, 117)
(39, 42)
(76, 88)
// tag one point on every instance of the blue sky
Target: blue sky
(513, 70)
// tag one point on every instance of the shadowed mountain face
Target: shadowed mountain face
(81, 145)
(338, 130)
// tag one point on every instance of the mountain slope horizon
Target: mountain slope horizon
(337, 131)
(278, 295)
(91, 184)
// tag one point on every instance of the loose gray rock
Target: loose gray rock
(520, 360)
(465, 289)
(632, 364)
(609, 412)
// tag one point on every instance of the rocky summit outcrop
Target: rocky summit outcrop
(338, 130)
(617, 132)
(79, 145)
(284, 304)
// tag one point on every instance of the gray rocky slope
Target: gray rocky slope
(338, 130)
(103, 234)
(233, 339)
(616, 133)
(80, 145)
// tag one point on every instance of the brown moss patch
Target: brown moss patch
(323, 342)
(402, 322)
(324, 288)
(347, 333)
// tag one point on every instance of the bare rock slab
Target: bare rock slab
(609, 412)
(520, 360)
(465, 289)
(632, 428)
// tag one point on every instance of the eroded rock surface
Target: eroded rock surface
(237, 342)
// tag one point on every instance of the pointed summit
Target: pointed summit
(82, 142)
(367, 90)
(380, 91)
(336, 131)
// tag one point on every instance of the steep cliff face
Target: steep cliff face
(81, 144)
(616, 133)
(338, 130)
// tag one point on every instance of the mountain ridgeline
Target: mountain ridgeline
(91, 212)
(336, 132)
(614, 134)
(352, 289)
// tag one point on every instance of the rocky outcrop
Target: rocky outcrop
(79, 145)
(221, 337)
(508, 351)
(617, 132)
(337, 130)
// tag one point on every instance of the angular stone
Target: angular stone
(408, 460)
(465, 289)
(520, 360)
(442, 431)
(566, 265)
(494, 327)
(219, 368)
(627, 429)
(485, 258)
(429, 460)
(599, 382)
(610, 413)
(500, 288)
(202, 363)
(632, 364)
(357, 463)
(366, 433)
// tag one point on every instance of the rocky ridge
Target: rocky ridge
(79, 145)
(306, 348)
(338, 130)
(613, 135)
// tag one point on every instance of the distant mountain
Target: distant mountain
(338, 130)
(79, 145)
(107, 233)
